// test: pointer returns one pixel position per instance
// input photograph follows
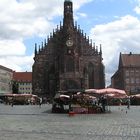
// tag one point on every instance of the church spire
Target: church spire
(68, 14)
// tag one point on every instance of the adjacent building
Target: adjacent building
(24, 82)
(6, 76)
(68, 60)
(127, 77)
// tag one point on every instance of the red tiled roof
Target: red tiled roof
(22, 76)
(130, 59)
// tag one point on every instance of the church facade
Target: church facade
(67, 60)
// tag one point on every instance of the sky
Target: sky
(113, 23)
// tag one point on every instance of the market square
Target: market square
(32, 122)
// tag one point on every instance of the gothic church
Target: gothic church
(67, 60)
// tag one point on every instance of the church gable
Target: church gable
(63, 60)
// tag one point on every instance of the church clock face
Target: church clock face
(69, 43)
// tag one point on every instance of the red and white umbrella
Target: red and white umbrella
(106, 91)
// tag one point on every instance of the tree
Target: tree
(15, 87)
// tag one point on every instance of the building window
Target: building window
(127, 80)
(137, 72)
(132, 72)
(137, 80)
(70, 65)
(127, 73)
(132, 80)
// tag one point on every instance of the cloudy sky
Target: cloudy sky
(113, 23)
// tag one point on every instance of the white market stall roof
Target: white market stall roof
(110, 92)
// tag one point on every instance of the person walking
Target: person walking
(128, 102)
(40, 102)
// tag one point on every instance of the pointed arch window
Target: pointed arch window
(91, 75)
(70, 65)
(85, 73)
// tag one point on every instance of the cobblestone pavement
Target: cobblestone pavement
(35, 123)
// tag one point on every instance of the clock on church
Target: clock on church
(69, 43)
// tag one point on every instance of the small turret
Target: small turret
(76, 24)
(42, 46)
(45, 43)
(60, 25)
(85, 36)
(79, 28)
(82, 32)
(39, 48)
(48, 38)
(35, 48)
(100, 49)
(97, 49)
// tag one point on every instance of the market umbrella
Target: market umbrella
(91, 90)
(116, 96)
(106, 91)
(111, 90)
(64, 96)
(136, 96)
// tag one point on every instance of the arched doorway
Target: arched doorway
(69, 84)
